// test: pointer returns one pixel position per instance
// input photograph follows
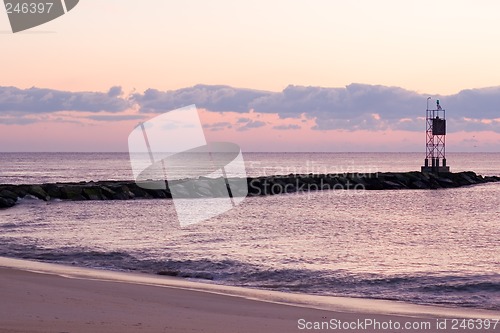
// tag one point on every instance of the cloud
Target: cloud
(286, 127)
(354, 107)
(474, 125)
(36, 100)
(344, 103)
(116, 117)
(251, 124)
(475, 103)
(7, 120)
(115, 91)
(215, 98)
(243, 120)
(218, 126)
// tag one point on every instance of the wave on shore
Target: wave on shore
(475, 291)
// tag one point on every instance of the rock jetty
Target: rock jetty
(258, 186)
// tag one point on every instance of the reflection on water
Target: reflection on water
(420, 246)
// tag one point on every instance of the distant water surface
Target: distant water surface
(16, 168)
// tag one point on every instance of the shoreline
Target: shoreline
(78, 298)
(204, 187)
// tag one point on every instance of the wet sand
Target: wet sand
(40, 297)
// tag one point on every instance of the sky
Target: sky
(279, 75)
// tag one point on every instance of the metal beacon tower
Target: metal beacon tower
(435, 158)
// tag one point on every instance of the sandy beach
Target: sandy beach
(40, 297)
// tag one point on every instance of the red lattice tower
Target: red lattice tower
(435, 157)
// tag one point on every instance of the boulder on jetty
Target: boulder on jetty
(255, 186)
(7, 198)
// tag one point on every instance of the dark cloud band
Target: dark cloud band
(37, 100)
(354, 107)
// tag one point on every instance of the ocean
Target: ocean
(437, 247)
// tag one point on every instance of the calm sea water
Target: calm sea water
(18, 168)
(428, 247)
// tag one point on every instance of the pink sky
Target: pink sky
(440, 49)
(69, 131)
